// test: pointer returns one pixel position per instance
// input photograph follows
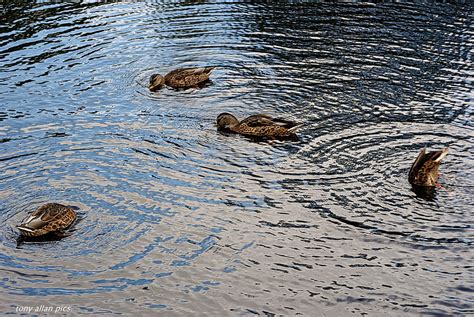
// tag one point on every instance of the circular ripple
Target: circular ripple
(174, 216)
(361, 178)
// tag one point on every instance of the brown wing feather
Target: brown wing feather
(51, 211)
(286, 123)
(261, 131)
(47, 218)
(259, 120)
(255, 117)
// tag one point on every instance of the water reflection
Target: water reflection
(176, 217)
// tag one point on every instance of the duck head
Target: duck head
(156, 82)
(226, 120)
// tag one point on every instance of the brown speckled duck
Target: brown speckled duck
(181, 78)
(49, 218)
(259, 125)
(424, 171)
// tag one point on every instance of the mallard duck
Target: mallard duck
(181, 78)
(259, 125)
(49, 218)
(424, 171)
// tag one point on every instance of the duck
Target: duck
(424, 171)
(51, 218)
(258, 125)
(181, 78)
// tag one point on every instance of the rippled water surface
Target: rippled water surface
(176, 218)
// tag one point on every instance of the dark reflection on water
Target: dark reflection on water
(178, 218)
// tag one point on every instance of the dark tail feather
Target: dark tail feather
(208, 69)
(294, 128)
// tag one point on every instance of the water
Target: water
(177, 218)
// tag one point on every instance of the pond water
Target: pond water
(176, 218)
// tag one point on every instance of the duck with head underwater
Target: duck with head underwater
(424, 171)
(181, 78)
(51, 218)
(258, 126)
